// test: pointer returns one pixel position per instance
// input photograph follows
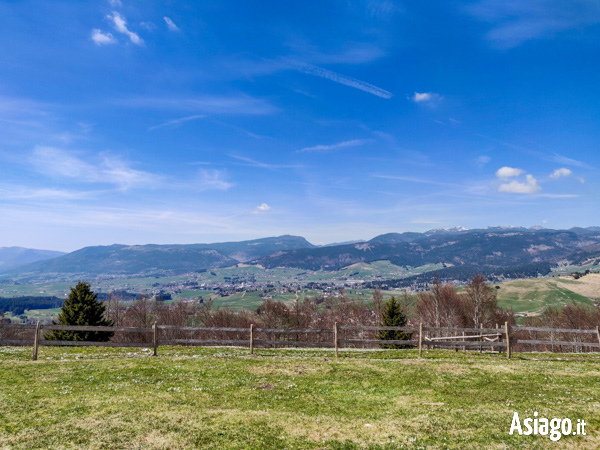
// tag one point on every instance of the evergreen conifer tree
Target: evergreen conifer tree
(82, 308)
(393, 316)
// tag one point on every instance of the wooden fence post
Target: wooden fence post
(507, 331)
(251, 338)
(495, 338)
(598, 334)
(420, 339)
(155, 338)
(36, 341)
(335, 338)
(480, 339)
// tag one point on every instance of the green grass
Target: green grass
(536, 294)
(224, 398)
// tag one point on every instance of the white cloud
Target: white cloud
(562, 172)
(344, 144)
(104, 169)
(171, 25)
(426, 98)
(214, 180)
(115, 3)
(508, 172)
(421, 97)
(120, 25)
(516, 187)
(261, 208)
(338, 78)
(101, 38)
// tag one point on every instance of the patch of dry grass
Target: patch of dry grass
(588, 285)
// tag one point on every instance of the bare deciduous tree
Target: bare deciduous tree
(480, 302)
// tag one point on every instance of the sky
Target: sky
(139, 122)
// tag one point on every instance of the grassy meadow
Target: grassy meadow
(533, 295)
(225, 398)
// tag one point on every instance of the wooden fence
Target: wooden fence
(498, 339)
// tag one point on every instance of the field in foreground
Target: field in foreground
(224, 398)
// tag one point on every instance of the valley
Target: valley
(531, 269)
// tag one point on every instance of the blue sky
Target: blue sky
(178, 122)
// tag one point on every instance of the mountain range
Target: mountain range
(11, 257)
(459, 250)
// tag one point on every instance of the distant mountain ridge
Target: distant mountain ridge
(491, 249)
(458, 250)
(11, 257)
(155, 259)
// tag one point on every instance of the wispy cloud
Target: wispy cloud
(101, 38)
(482, 160)
(105, 169)
(414, 180)
(508, 172)
(176, 122)
(381, 9)
(559, 195)
(560, 159)
(40, 194)
(336, 146)
(20, 113)
(234, 105)
(213, 180)
(120, 25)
(338, 78)
(426, 221)
(516, 21)
(263, 165)
(171, 25)
(553, 157)
(351, 53)
(562, 172)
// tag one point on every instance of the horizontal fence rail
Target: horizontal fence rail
(339, 336)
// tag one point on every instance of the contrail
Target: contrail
(338, 78)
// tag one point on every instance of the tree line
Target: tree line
(18, 305)
(474, 306)
(443, 306)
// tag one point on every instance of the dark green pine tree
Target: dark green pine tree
(82, 308)
(393, 316)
